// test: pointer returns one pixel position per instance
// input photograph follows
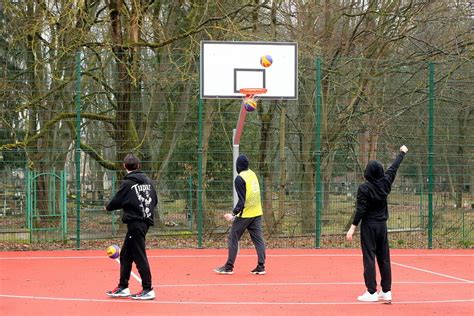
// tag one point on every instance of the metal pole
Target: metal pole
(200, 177)
(319, 191)
(63, 204)
(78, 150)
(29, 213)
(236, 133)
(421, 213)
(240, 125)
(190, 202)
(235, 155)
(114, 224)
(431, 92)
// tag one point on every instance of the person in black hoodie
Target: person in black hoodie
(372, 212)
(137, 198)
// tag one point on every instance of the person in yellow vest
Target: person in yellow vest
(247, 215)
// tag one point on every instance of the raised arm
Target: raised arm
(392, 170)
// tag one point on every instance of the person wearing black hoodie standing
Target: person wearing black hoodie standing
(137, 198)
(372, 212)
(246, 215)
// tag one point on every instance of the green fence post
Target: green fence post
(200, 178)
(190, 202)
(63, 204)
(318, 186)
(28, 205)
(431, 92)
(421, 213)
(78, 150)
(114, 224)
(52, 193)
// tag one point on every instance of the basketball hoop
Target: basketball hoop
(249, 101)
(249, 104)
(250, 93)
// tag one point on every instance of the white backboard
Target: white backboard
(227, 67)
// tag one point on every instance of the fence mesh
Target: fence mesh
(309, 154)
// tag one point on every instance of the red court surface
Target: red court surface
(298, 282)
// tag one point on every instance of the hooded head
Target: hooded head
(242, 163)
(374, 171)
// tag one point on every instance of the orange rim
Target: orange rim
(253, 91)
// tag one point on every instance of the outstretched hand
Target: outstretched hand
(404, 149)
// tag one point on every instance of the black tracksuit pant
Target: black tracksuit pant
(374, 242)
(133, 250)
(254, 227)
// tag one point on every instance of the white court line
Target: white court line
(220, 303)
(311, 255)
(431, 272)
(240, 255)
(136, 277)
(296, 284)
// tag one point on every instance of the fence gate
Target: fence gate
(46, 208)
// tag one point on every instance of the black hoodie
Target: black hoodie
(372, 195)
(241, 164)
(137, 197)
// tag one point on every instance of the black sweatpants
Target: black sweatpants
(374, 242)
(254, 227)
(133, 250)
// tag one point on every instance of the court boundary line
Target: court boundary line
(431, 272)
(223, 303)
(240, 255)
(298, 284)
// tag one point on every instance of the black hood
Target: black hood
(374, 174)
(374, 171)
(137, 176)
(242, 163)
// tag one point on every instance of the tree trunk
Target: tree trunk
(124, 130)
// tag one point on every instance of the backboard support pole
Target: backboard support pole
(237, 132)
(235, 154)
(240, 125)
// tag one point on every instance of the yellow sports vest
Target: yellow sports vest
(253, 204)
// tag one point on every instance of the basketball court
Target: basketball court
(297, 282)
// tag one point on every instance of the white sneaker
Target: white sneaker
(367, 297)
(385, 296)
(144, 295)
(119, 292)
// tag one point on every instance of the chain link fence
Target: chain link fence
(67, 124)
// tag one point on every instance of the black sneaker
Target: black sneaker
(144, 295)
(119, 292)
(258, 270)
(224, 270)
